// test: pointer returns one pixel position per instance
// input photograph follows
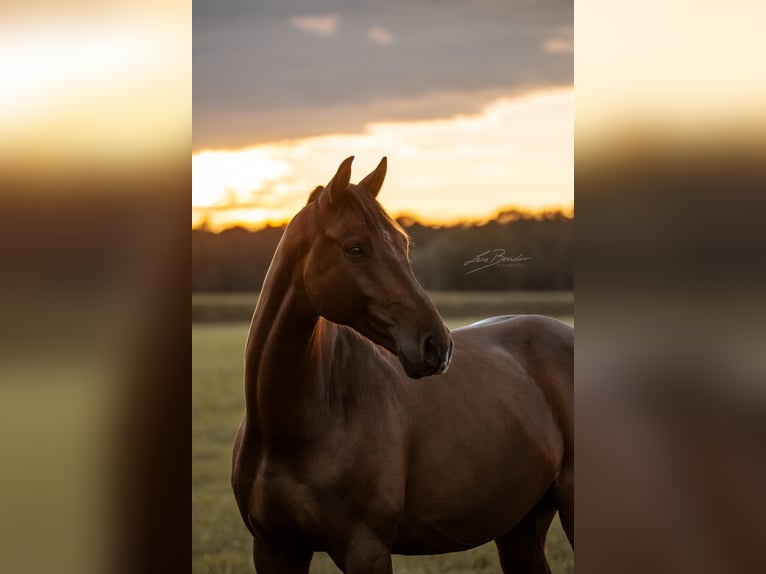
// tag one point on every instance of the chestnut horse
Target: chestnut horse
(341, 450)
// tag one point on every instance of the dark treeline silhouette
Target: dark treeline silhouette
(517, 251)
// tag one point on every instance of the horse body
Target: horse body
(340, 450)
(486, 444)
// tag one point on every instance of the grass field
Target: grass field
(220, 541)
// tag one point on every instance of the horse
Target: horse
(370, 429)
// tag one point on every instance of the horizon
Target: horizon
(505, 215)
(520, 156)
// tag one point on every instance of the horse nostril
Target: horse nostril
(430, 353)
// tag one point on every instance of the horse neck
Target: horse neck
(280, 372)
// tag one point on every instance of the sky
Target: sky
(472, 103)
(91, 84)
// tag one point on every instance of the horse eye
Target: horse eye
(355, 250)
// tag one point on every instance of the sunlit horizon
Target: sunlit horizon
(516, 154)
(503, 214)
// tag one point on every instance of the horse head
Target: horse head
(357, 273)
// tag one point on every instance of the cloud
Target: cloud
(326, 26)
(561, 43)
(226, 178)
(379, 35)
(514, 152)
(272, 70)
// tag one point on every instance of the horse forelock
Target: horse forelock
(373, 214)
(361, 202)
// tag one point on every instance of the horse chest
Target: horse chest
(323, 494)
(280, 498)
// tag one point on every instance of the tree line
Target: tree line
(515, 251)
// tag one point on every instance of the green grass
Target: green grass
(220, 541)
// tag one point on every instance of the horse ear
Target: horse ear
(374, 181)
(338, 184)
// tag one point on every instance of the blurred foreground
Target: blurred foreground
(670, 372)
(95, 129)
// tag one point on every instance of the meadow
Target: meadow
(220, 542)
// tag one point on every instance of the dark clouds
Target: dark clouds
(260, 77)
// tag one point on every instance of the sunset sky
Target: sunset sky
(471, 102)
(93, 85)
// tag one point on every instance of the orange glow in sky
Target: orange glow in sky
(648, 67)
(515, 153)
(86, 85)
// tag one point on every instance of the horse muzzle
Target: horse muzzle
(433, 356)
